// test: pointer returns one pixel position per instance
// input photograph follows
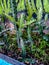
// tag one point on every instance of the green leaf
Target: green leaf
(33, 6)
(5, 7)
(29, 22)
(46, 5)
(46, 17)
(21, 5)
(38, 4)
(39, 14)
(29, 9)
(10, 17)
(22, 47)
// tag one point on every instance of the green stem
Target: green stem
(29, 37)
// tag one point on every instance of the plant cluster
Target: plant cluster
(31, 21)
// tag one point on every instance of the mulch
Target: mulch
(10, 60)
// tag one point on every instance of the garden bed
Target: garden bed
(24, 31)
(10, 60)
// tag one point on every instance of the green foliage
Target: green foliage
(39, 52)
(39, 14)
(38, 4)
(14, 9)
(39, 9)
(5, 7)
(29, 9)
(46, 17)
(33, 6)
(27, 24)
(46, 5)
(20, 5)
